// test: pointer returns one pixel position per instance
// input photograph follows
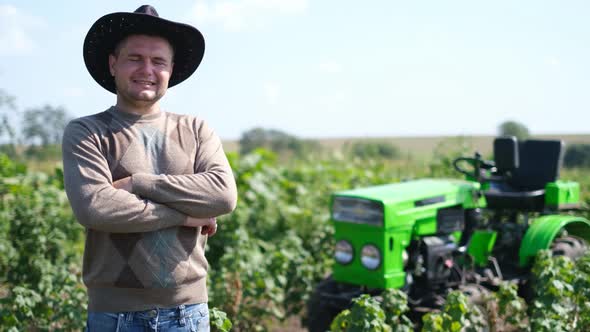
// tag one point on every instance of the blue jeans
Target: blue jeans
(192, 318)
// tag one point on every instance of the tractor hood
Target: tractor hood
(406, 202)
(418, 192)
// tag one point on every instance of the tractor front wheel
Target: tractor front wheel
(321, 308)
(569, 246)
(478, 296)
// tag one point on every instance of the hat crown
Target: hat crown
(148, 10)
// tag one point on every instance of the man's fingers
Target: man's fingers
(209, 230)
(208, 225)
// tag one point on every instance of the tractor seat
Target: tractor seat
(510, 199)
(523, 188)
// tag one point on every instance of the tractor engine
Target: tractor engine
(432, 257)
(433, 261)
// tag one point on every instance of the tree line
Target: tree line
(34, 132)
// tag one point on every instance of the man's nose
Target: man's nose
(147, 65)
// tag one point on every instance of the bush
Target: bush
(39, 260)
(372, 150)
(577, 155)
(276, 141)
(445, 152)
(458, 314)
(364, 315)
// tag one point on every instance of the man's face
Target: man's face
(142, 67)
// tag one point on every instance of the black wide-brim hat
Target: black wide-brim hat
(109, 30)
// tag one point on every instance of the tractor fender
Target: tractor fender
(543, 230)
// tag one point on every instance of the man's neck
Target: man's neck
(137, 109)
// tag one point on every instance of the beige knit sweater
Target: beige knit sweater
(137, 256)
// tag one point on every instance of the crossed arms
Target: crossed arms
(145, 202)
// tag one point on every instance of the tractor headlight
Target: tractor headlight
(356, 210)
(344, 252)
(370, 257)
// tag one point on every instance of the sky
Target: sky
(332, 68)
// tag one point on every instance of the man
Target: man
(146, 184)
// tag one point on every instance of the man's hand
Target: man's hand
(124, 183)
(209, 225)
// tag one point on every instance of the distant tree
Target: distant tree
(6, 99)
(577, 155)
(363, 149)
(8, 133)
(275, 140)
(7, 108)
(513, 128)
(44, 125)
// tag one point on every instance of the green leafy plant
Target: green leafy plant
(554, 300)
(40, 264)
(383, 313)
(508, 311)
(582, 292)
(457, 315)
(219, 321)
(364, 315)
(395, 305)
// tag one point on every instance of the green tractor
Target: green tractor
(429, 236)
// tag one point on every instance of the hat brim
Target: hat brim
(107, 31)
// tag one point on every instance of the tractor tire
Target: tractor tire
(477, 294)
(319, 312)
(478, 297)
(569, 246)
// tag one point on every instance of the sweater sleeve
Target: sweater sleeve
(209, 192)
(95, 202)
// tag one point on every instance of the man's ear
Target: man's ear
(112, 60)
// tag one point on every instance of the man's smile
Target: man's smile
(144, 82)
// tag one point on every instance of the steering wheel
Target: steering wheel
(476, 162)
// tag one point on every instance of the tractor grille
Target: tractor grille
(357, 210)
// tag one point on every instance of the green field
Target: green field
(269, 253)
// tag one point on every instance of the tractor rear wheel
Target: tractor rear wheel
(320, 310)
(477, 294)
(569, 246)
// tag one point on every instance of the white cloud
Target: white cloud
(330, 67)
(15, 31)
(272, 92)
(240, 14)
